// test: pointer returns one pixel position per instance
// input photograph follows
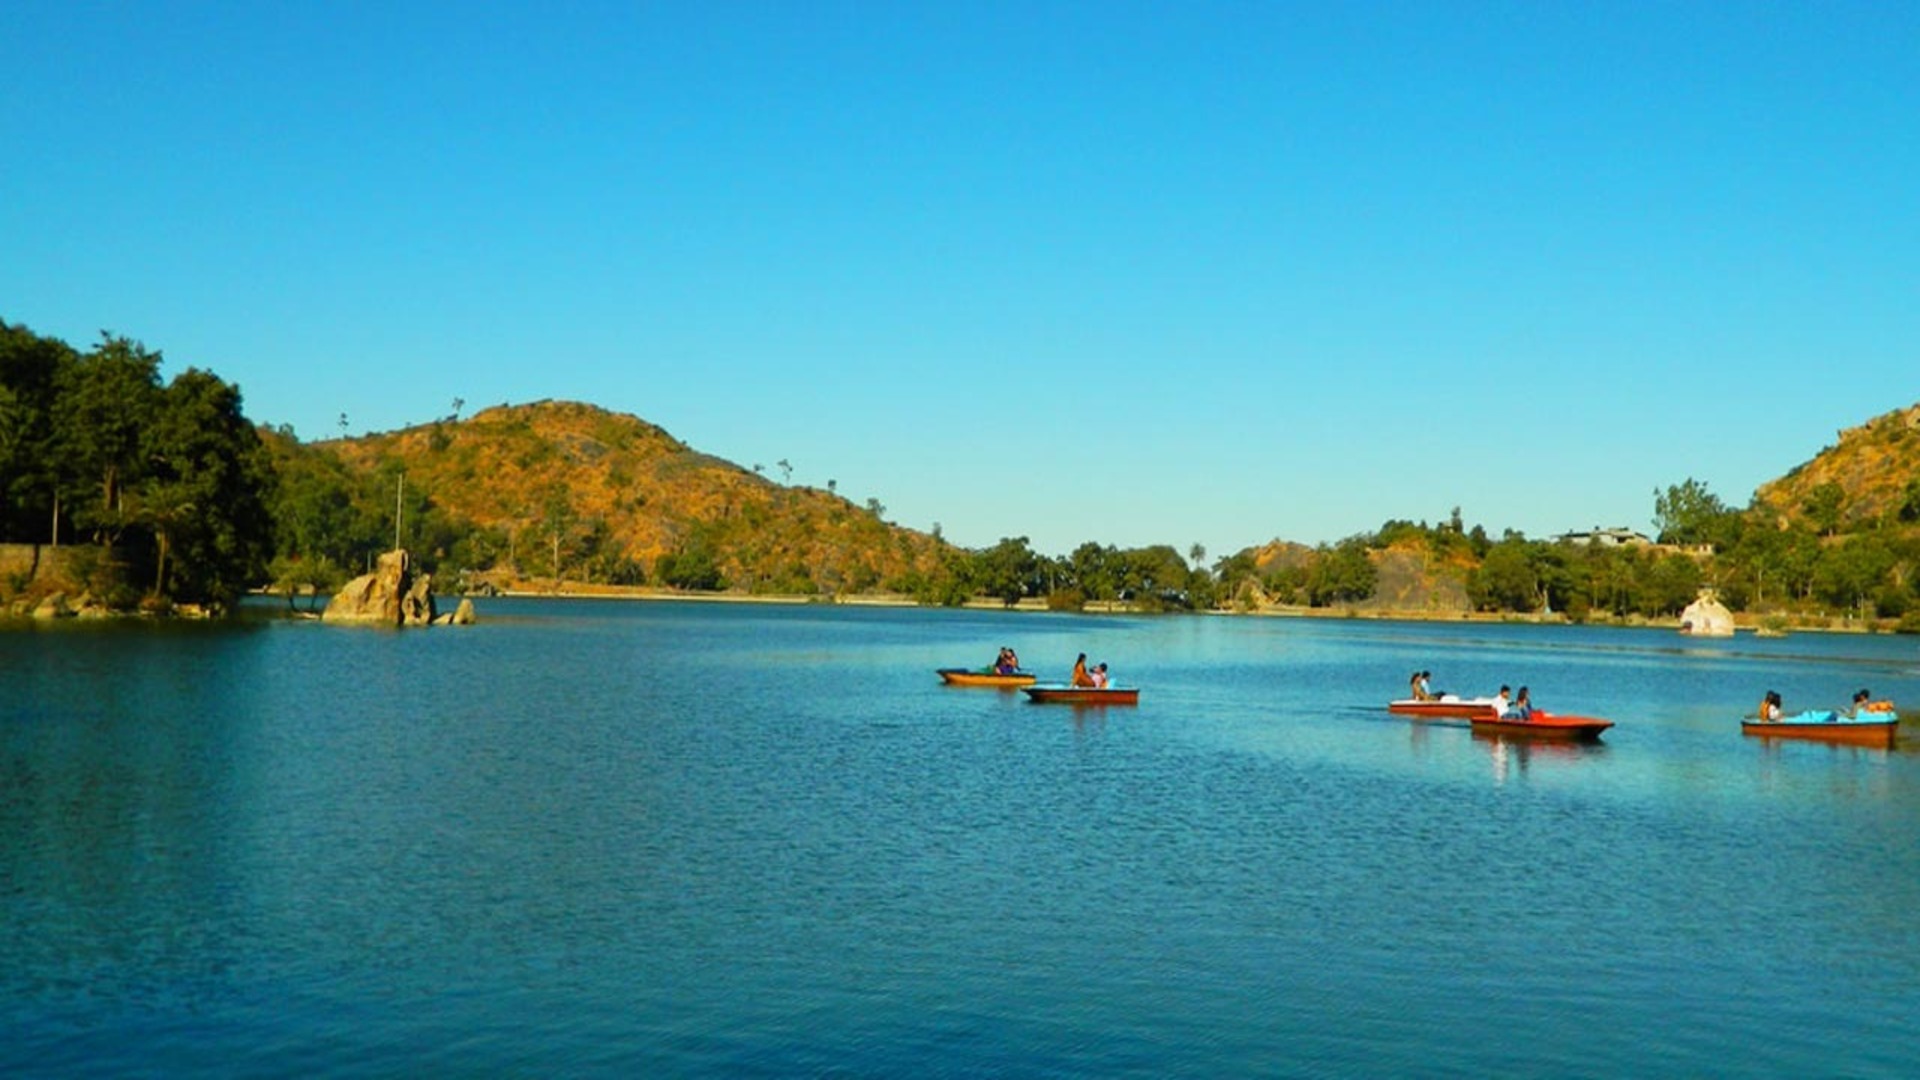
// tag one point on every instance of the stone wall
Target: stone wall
(22, 564)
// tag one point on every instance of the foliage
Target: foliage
(169, 481)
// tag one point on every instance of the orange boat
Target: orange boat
(1084, 695)
(954, 676)
(1543, 725)
(1867, 729)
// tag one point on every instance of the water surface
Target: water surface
(725, 840)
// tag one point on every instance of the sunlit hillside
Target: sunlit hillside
(587, 475)
(1869, 475)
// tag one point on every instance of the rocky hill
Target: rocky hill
(525, 470)
(1869, 474)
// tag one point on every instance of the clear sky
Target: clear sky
(1132, 273)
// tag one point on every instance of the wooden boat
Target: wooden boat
(1866, 729)
(954, 676)
(1056, 693)
(1543, 725)
(1444, 705)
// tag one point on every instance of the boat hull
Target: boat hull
(1542, 725)
(971, 677)
(1457, 708)
(1083, 695)
(1872, 729)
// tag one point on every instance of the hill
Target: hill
(1871, 474)
(603, 489)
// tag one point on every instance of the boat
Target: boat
(1444, 705)
(1875, 728)
(1058, 693)
(954, 676)
(1543, 725)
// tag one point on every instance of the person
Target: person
(1770, 707)
(1422, 690)
(1500, 703)
(1080, 676)
(1522, 707)
(1007, 663)
(1859, 705)
(1099, 675)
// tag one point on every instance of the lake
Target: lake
(677, 839)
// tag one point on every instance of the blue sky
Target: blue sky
(1130, 273)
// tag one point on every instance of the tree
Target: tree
(1506, 579)
(1848, 573)
(557, 518)
(1671, 584)
(106, 398)
(204, 493)
(1341, 574)
(1824, 506)
(1007, 570)
(30, 369)
(1688, 513)
(1909, 508)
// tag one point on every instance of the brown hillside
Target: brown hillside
(1872, 464)
(504, 467)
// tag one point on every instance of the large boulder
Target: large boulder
(1706, 617)
(54, 606)
(395, 594)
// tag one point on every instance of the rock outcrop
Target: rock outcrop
(1706, 617)
(395, 594)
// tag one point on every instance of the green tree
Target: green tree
(1688, 513)
(30, 368)
(1671, 584)
(1824, 507)
(203, 493)
(1341, 574)
(1506, 579)
(1848, 573)
(1008, 570)
(105, 399)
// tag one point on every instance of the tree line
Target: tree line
(163, 487)
(172, 495)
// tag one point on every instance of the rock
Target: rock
(393, 595)
(53, 607)
(463, 613)
(1706, 617)
(416, 607)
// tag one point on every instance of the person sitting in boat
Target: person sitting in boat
(1099, 675)
(1770, 707)
(1080, 674)
(1422, 690)
(1007, 663)
(1522, 707)
(1500, 701)
(1860, 700)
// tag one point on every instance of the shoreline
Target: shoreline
(1745, 625)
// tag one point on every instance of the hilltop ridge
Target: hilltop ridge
(574, 478)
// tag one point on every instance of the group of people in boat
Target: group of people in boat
(1507, 704)
(1518, 707)
(1771, 712)
(1094, 678)
(1085, 677)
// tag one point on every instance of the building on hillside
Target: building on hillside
(1618, 536)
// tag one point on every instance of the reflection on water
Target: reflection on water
(1518, 754)
(722, 840)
